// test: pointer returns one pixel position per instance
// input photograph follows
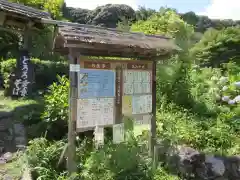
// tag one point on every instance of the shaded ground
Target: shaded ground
(12, 135)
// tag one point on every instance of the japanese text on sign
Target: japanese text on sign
(96, 65)
(21, 83)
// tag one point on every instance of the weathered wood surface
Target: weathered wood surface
(15, 16)
(111, 42)
(22, 10)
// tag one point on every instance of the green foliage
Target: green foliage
(217, 47)
(123, 161)
(179, 126)
(8, 44)
(111, 162)
(43, 157)
(209, 125)
(144, 13)
(53, 6)
(56, 101)
(167, 23)
(172, 78)
(190, 106)
(107, 16)
(103, 16)
(45, 72)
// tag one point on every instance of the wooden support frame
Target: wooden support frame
(74, 67)
(153, 131)
(74, 61)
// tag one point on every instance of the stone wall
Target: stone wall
(192, 164)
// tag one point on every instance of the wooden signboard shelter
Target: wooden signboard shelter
(77, 41)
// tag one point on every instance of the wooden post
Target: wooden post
(155, 158)
(73, 78)
(153, 119)
(27, 35)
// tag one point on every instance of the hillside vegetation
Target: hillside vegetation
(198, 95)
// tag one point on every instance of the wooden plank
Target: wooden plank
(71, 153)
(152, 140)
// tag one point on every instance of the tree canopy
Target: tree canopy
(53, 6)
(217, 46)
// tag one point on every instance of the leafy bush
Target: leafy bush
(56, 108)
(119, 162)
(210, 125)
(217, 47)
(43, 157)
(111, 162)
(56, 101)
(45, 72)
(179, 126)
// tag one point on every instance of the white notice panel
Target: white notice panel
(95, 112)
(142, 104)
(136, 82)
(99, 135)
(118, 133)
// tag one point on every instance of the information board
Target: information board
(109, 90)
(96, 83)
(137, 89)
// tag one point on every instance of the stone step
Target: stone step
(20, 136)
(5, 124)
(4, 114)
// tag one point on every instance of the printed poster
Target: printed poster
(84, 118)
(107, 114)
(118, 133)
(127, 105)
(142, 104)
(96, 83)
(136, 82)
(128, 76)
(95, 112)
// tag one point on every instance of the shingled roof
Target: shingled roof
(89, 40)
(97, 41)
(18, 15)
(22, 10)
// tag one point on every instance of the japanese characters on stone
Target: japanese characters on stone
(22, 81)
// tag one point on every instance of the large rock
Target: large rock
(190, 163)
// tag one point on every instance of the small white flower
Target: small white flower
(214, 78)
(224, 88)
(195, 66)
(218, 97)
(237, 99)
(237, 84)
(231, 102)
(223, 80)
(225, 98)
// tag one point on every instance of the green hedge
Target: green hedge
(45, 72)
